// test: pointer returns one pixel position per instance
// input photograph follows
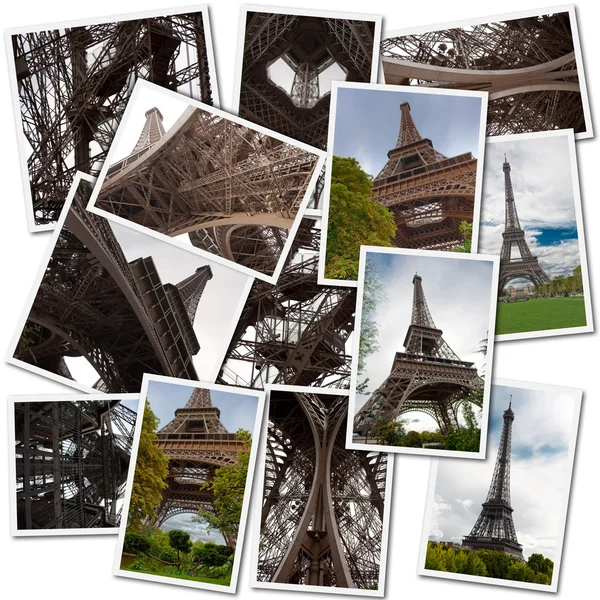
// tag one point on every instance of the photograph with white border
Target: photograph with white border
(322, 522)
(207, 181)
(530, 62)
(70, 83)
(502, 521)
(188, 495)
(68, 462)
(432, 398)
(109, 304)
(404, 170)
(531, 217)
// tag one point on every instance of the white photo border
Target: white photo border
(431, 254)
(131, 106)
(258, 493)
(256, 440)
(9, 356)
(12, 75)
(12, 471)
(337, 85)
(587, 294)
(553, 587)
(533, 12)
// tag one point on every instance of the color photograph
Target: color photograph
(71, 83)
(205, 180)
(325, 510)
(69, 464)
(404, 171)
(531, 217)
(188, 496)
(502, 521)
(530, 63)
(431, 398)
(110, 304)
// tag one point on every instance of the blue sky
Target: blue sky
(541, 438)
(543, 189)
(367, 123)
(458, 294)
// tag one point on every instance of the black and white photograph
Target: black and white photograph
(110, 304)
(502, 521)
(69, 464)
(432, 396)
(71, 83)
(530, 62)
(324, 512)
(207, 181)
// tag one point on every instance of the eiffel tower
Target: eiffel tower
(427, 377)
(494, 528)
(196, 444)
(428, 193)
(526, 265)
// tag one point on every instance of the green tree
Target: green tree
(388, 432)
(466, 230)
(354, 219)
(210, 555)
(464, 439)
(228, 486)
(151, 469)
(136, 543)
(412, 440)
(180, 541)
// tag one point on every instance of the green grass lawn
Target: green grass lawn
(540, 314)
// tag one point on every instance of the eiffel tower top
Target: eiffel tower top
(408, 130)
(511, 217)
(191, 289)
(152, 132)
(200, 398)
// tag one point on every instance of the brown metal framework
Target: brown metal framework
(427, 377)
(196, 444)
(92, 303)
(234, 190)
(527, 65)
(428, 193)
(323, 505)
(72, 459)
(525, 265)
(494, 528)
(295, 332)
(308, 45)
(74, 85)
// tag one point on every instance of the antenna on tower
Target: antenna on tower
(510, 402)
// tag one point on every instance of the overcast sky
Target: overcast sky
(458, 294)
(541, 438)
(367, 123)
(237, 410)
(220, 299)
(543, 190)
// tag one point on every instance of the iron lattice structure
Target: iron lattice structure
(323, 505)
(308, 46)
(92, 303)
(196, 444)
(428, 193)
(72, 459)
(74, 85)
(427, 377)
(295, 332)
(494, 528)
(525, 265)
(234, 190)
(527, 65)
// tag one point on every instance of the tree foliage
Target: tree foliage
(355, 220)
(212, 555)
(180, 541)
(388, 432)
(488, 563)
(151, 470)
(228, 486)
(562, 286)
(466, 230)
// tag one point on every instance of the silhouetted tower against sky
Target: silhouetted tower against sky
(494, 529)
(196, 443)
(426, 377)
(192, 288)
(428, 193)
(525, 265)
(323, 505)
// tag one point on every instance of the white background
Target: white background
(55, 568)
